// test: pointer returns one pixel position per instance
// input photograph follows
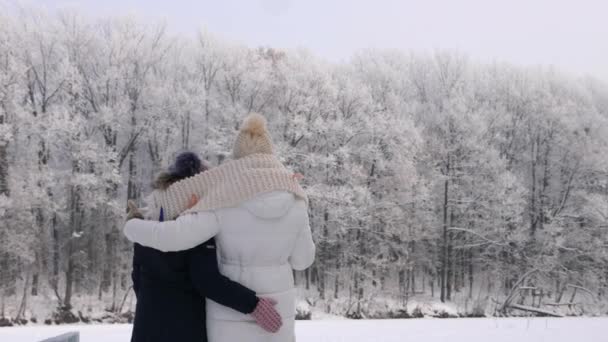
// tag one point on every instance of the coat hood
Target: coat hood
(271, 205)
(163, 180)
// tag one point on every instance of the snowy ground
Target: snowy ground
(422, 330)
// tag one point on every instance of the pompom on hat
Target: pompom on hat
(253, 138)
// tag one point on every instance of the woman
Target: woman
(258, 214)
(171, 287)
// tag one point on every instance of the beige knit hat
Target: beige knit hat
(252, 138)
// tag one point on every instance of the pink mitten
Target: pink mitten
(266, 316)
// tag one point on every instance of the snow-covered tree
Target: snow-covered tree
(427, 174)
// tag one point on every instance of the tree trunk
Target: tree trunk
(69, 277)
(470, 271)
(55, 277)
(401, 279)
(413, 280)
(423, 281)
(449, 283)
(321, 283)
(533, 206)
(359, 291)
(114, 289)
(406, 285)
(23, 305)
(35, 283)
(4, 190)
(3, 306)
(444, 248)
(337, 279)
(186, 130)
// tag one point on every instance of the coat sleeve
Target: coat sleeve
(303, 254)
(183, 233)
(208, 280)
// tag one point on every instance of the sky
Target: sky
(571, 35)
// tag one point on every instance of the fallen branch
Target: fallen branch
(561, 304)
(584, 290)
(535, 310)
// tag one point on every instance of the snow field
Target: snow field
(419, 330)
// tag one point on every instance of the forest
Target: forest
(431, 176)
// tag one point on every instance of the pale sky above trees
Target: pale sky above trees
(568, 34)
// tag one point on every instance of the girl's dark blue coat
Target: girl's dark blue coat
(171, 290)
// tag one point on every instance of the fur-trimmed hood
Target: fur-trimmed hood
(163, 180)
